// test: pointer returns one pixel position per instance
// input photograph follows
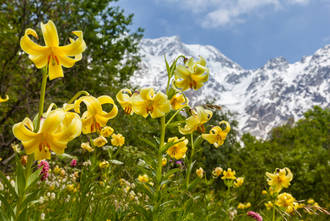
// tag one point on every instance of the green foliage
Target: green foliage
(108, 62)
(303, 147)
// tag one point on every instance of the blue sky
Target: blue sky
(249, 32)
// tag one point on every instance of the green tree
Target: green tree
(108, 62)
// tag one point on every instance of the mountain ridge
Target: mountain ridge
(262, 98)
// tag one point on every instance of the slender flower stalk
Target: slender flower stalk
(42, 96)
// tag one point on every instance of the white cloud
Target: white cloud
(219, 13)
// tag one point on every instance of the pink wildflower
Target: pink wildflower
(255, 215)
(45, 168)
(73, 163)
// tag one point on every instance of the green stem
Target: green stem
(190, 159)
(42, 97)
(77, 95)
(161, 144)
(274, 211)
(169, 121)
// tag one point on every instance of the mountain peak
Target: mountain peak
(262, 98)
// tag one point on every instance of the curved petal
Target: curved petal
(53, 121)
(147, 93)
(70, 129)
(40, 155)
(55, 69)
(87, 123)
(4, 99)
(22, 132)
(66, 61)
(161, 105)
(92, 103)
(30, 46)
(211, 138)
(50, 34)
(74, 48)
(40, 61)
(227, 126)
(123, 96)
(108, 100)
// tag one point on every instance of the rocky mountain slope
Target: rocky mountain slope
(262, 98)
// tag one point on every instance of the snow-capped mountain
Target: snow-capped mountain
(262, 98)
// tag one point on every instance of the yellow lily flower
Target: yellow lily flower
(125, 99)
(280, 179)
(117, 140)
(285, 200)
(217, 136)
(229, 174)
(100, 141)
(179, 149)
(196, 120)
(200, 172)
(146, 102)
(95, 118)
(178, 101)
(55, 132)
(268, 205)
(217, 172)
(4, 99)
(194, 75)
(52, 54)
(239, 182)
(143, 178)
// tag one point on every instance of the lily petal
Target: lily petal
(76, 47)
(108, 100)
(30, 46)
(55, 70)
(50, 34)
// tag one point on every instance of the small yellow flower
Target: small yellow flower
(100, 141)
(178, 101)
(87, 147)
(117, 140)
(125, 99)
(310, 201)
(229, 174)
(280, 179)
(143, 178)
(53, 55)
(104, 164)
(95, 118)
(4, 99)
(239, 182)
(179, 149)
(285, 200)
(193, 75)
(264, 192)
(217, 136)
(200, 172)
(269, 205)
(57, 170)
(70, 187)
(217, 172)
(107, 131)
(196, 121)
(147, 102)
(164, 161)
(62, 173)
(16, 147)
(55, 132)
(241, 206)
(244, 206)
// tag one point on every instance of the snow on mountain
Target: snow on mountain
(262, 98)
